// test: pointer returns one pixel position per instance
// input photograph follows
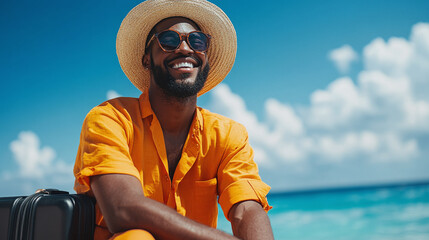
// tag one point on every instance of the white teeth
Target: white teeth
(183, 64)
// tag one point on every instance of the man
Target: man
(157, 164)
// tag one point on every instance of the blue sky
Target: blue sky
(331, 92)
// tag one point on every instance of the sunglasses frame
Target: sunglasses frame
(183, 37)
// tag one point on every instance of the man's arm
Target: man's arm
(125, 207)
(249, 221)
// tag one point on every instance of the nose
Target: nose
(184, 48)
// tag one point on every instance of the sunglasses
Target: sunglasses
(170, 40)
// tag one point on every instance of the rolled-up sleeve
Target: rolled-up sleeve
(104, 146)
(238, 175)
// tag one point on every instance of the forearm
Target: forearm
(249, 221)
(125, 207)
(165, 223)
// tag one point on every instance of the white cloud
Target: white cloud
(339, 105)
(233, 106)
(418, 69)
(112, 94)
(378, 118)
(343, 57)
(38, 166)
(369, 145)
(271, 138)
(391, 57)
(32, 160)
(283, 118)
(420, 38)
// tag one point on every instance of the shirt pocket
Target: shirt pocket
(205, 200)
(206, 183)
(205, 190)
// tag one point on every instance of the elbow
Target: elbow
(115, 227)
(118, 220)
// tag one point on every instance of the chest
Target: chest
(174, 148)
(159, 156)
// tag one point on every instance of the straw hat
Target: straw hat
(131, 38)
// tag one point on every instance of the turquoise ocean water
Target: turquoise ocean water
(397, 212)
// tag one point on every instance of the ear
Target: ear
(146, 61)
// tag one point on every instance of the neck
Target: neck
(174, 114)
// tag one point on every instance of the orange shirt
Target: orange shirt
(124, 136)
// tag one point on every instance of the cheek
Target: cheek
(204, 59)
(157, 55)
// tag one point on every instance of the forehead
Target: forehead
(179, 24)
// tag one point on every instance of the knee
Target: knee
(133, 234)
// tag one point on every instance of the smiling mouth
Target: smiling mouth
(184, 63)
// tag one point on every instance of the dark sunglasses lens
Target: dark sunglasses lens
(169, 40)
(198, 41)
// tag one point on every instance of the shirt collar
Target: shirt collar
(146, 109)
(200, 118)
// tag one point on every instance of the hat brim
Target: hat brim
(131, 38)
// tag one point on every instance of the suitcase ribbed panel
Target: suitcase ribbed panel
(9, 207)
(49, 215)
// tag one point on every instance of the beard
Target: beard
(179, 89)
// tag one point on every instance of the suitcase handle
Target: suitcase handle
(51, 191)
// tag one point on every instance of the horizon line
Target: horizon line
(349, 188)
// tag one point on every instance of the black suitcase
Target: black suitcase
(47, 214)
